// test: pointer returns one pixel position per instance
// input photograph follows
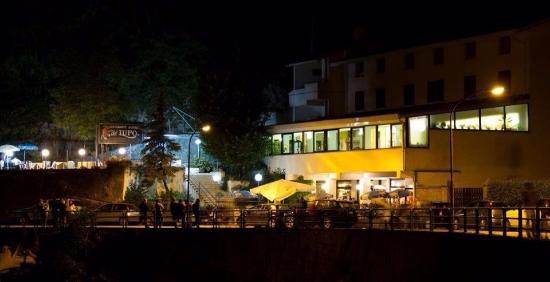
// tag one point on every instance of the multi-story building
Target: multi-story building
(385, 119)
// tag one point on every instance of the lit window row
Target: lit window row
(340, 139)
(505, 118)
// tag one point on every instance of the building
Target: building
(383, 119)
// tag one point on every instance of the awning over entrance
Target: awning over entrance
(281, 189)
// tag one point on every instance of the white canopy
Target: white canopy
(281, 189)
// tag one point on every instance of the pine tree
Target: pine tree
(158, 151)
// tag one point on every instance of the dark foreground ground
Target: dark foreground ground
(276, 255)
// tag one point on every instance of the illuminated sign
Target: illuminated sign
(120, 133)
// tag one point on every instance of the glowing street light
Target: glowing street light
(81, 153)
(217, 177)
(122, 151)
(258, 177)
(45, 154)
(198, 142)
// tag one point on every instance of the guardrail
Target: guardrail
(519, 222)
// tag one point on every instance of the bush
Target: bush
(510, 191)
(136, 193)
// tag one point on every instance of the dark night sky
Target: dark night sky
(270, 37)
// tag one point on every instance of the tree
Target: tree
(158, 150)
(232, 102)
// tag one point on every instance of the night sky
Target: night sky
(267, 37)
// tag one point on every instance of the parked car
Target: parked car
(487, 210)
(264, 215)
(116, 213)
(31, 215)
(324, 213)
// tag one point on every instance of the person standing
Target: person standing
(43, 209)
(143, 210)
(63, 212)
(196, 212)
(174, 211)
(158, 213)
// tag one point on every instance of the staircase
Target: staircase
(209, 191)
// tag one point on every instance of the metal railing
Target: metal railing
(518, 222)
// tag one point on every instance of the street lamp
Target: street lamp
(81, 153)
(258, 177)
(45, 154)
(204, 128)
(9, 155)
(495, 91)
(122, 151)
(198, 142)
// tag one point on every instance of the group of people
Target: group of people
(180, 211)
(59, 209)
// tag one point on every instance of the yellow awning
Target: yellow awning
(281, 189)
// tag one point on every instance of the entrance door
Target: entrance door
(343, 189)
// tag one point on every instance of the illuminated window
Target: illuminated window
(440, 121)
(492, 118)
(319, 141)
(384, 136)
(418, 131)
(344, 139)
(308, 141)
(396, 135)
(468, 120)
(517, 117)
(276, 144)
(287, 143)
(357, 138)
(332, 140)
(370, 137)
(298, 143)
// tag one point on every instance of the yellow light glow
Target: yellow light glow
(498, 91)
(206, 128)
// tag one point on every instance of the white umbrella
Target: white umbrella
(8, 148)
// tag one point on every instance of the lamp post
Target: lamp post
(81, 153)
(258, 177)
(496, 91)
(45, 154)
(205, 129)
(198, 142)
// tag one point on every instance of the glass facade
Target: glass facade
(344, 139)
(308, 141)
(418, 131)
(492, 118)
(510, 118)
(384, 136)
(517, 117)
(467, 120)
(287, 143)
(396, 135)
(298, 143)
(357, 138)
(440, 121)
(332, 140)
(319, 141)
(276, 144)
(370, 137)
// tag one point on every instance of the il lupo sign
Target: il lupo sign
(120, 133)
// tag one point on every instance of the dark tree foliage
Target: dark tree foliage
(158, 151)
(232, 102)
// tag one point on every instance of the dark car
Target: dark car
(31, 215)
(323, 213)
(441, 214)
(264, 215)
